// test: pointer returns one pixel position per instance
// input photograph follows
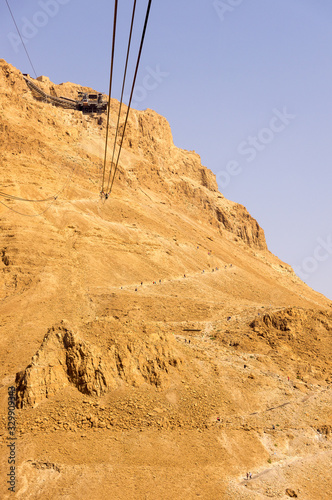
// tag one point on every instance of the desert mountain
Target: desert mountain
(159, 350)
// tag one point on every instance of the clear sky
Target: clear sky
(247, 84)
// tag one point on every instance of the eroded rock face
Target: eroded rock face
(238, 221)
(287, 322)
(289, 329)
(155, 162)
(64, 359)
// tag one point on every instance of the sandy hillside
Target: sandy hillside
(158, 349)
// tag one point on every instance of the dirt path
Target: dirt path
(286, 462)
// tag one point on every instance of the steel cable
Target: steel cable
(122, 92)
(109, 92)
(53, 198)
(132, 90)
(19, 34)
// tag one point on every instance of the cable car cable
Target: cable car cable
(19, 34)
(53, 198)
(110, 90)
(132, 90)
(16, 198)
(122, 91)
(27, 215)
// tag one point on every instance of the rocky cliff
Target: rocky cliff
(152, 335)
(155, 162)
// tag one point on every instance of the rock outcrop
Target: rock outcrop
(64, 359)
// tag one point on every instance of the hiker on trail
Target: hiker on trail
(203, 271)
(159, 281)
(213, 270)
(229, 318)
(141, 283)
(247, 475)
(250, 475)
(135, 289)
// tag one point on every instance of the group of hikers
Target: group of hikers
(185, 276)
(105, 195)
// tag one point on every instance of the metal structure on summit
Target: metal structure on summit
(87, 103)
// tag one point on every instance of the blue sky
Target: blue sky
(246, 84)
